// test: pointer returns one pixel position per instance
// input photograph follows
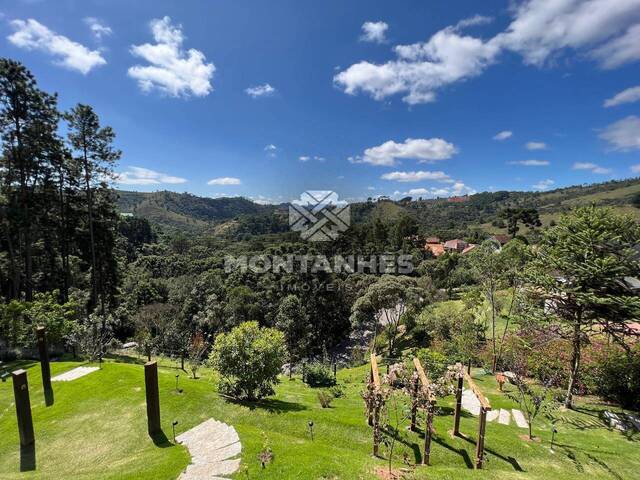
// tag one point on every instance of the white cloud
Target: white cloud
(173, 71)
(604, 28)
(265, 90)
(425, 150)
(417, 176)
(503, 135)
(271, 147)
(418, 191)
(530, 163)
(224, 181)
(607, 31)
(543, 184)
(457, 189)
(145, 176)
(371, 188)
(591, 166)
(32, 35)
(374, 32)
(635, 168)
(420, 69)
(623, 135)
(306, 158)
(98, 28)
(473, 21)
(460, 188)
(536, 146)
(630, 95)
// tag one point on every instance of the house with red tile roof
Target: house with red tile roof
(455, 245)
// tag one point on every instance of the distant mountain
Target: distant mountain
(446, 216)
(187, 211)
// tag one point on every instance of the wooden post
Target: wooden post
(153, 398)
(41, 335)
(456, 417)
(335, 371)
(469, 366)
(426, 458)
(414, 404)
(23, 408)
(480, 444)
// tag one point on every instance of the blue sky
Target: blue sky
(269, 99)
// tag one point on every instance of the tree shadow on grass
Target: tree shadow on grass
(269, 404)
(28, 458)
(606, 467)
(161, 440)
(510, 460)
(462, 452)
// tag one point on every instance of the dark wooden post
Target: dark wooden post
(469, 366)
(153, 397)
(335, 371)
(426, 458)
(376, 426)
(41, 335)
(456, 418)
(480, 444)
(23, 407)
(414, 403)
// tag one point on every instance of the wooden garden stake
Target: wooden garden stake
(23, 408)
(480, 443)
(428, 428)
(153, 398)
(414, 403)
(375, 414)
(41, 336)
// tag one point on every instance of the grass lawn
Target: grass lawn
(96, 429)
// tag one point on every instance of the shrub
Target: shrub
(248, 359)
(434, 363)
(325, 399)
(318, 374)
(337, 391)
(616, 376)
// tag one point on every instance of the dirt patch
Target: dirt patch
(527, 439)
(384, 473)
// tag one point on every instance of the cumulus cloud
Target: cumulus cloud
(473, 21)
(543, 184)
(32, 35)
(592, 167)
(374, 32)
(224, 181)
(145, 176)
(607, 31)
(265, 90)
(425, 150)
(635, 168)
(98, 28)
(630, 95)
(530, 163)
(503, 135)
(417, 176)
(623, 135)
(536, 146)
(172, 71)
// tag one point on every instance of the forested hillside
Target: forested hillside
(447, 217)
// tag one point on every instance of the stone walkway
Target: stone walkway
(213, 446)
(622, 421)
(74, 374)
(471, 404)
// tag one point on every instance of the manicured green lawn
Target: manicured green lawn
(96, 429)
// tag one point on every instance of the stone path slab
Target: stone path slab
(213, 446)
(74, 374)
(470, 402)
(504, 417)
(518, 416)
(492, 415)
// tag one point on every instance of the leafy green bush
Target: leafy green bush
(434, 363)
(337, 391)
(615, 375)
(248, 359)
(318, 374)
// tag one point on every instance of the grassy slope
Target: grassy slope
(97, 429)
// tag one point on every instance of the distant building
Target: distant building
(436, 249)
(501, 239)
(455, 245)
(469, 248)
(433, 240)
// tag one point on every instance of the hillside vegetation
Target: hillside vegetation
(238, 215)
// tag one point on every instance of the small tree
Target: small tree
(532, 398)
(197, 351)
(526, 216)
(293, 321)
(248, 360)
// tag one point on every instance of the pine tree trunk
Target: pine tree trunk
(575, 364)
